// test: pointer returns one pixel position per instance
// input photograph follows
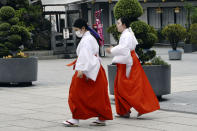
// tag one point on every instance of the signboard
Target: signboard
(99, 26)
(66, 33)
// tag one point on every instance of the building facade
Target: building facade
(157, 13)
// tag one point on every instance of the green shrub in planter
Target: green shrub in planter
(140, 41)
(24, 34)
(4, 26)
(3, 50)
(145, 55)
(14, 21)
(193, 32)
(144, 32)
(158, 61)
(12, 36)
(15, 29)
(151, 29)
(31, 17)
(15, 39)
(140, 28)
(10, 46)
(188, 38)
(150, 39)
(7, 12)
(3, 35)
(174, 33)
(128, 8)
(147, 37)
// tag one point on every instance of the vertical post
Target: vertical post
(57, 22)
(66, 16)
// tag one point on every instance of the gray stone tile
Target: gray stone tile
(175, 127)
(7, 117)
(15, 128)
(47, 116)
(32, 123)
(53, 109)
(14, 111)
(180, 120)
(125, 127)
(62, 128)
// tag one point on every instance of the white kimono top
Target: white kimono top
(88, 59)
(122, 52)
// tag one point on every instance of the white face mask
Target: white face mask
(78, 34)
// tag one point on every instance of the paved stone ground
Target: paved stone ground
(43, 106)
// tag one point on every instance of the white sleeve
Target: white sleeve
(84, 56)
(119, 50)
(122, 48)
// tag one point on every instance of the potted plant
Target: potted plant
(174, 33)
(15, 66)
(188, 47)
(146, 36)
(191, 42)
(193, 32)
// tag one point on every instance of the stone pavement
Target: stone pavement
(43, 106)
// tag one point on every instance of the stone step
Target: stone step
(62, 56)
(46, 55)
(39, 53)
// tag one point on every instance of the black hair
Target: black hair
(125, 21)
(80, 23)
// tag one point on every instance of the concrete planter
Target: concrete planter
(194, 47)
(175, 54)
(112, 69)
(18, 70)
(188, 48)
(159, 77)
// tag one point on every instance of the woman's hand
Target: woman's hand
(80, 74)
(108, 50)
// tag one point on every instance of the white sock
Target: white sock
(74, 121)
(100, 121)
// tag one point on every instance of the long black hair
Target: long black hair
(80, 23)
(125, 21)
